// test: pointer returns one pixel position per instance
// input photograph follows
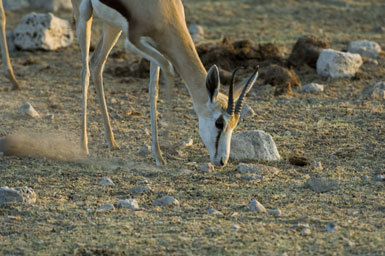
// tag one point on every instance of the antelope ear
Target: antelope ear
(212, 83)
(239, 87)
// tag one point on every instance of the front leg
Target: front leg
(153, 91)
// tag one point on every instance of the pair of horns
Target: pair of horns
(237, 108)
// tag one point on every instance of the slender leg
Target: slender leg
(110, 36)
(8, 70)
(84, 36)
(153, 91)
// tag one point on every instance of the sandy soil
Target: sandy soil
(337, 128)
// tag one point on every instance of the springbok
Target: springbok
(157, 30)
(8, 70)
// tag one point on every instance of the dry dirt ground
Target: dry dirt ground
(337, 128)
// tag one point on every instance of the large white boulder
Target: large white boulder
(51, 5)
(15, 4)
(365, 48)
(253, 144)
(43, 31)
(336, 64)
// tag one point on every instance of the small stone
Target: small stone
(188, 142)
(131, 204)
(321, 185)
(19, 194)
(300, 226)
(27, 109)
(165, 201)
(197, 32)
(139, 190)
(336, 64)
(143, 182)
(313, 88)
(306, 231)
(275, 212)
(145, 150)
(106, 182)
(49, 117)
(316, 166)
(380, 177)
(185, 172)
(106, 207)
(256, 206)
(236, 227)
(349, 243)
(207, 167)
(331, 227)
(365, 48)
(374, 92)
(215, 212)
(247, 112)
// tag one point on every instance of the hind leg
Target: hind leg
(110, 36)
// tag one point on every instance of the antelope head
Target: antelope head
(217, 125)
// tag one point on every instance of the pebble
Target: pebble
(106, 207)
(165, 201)
(209, 167)
(306, 231)
(215, 212)
(29, 110)
(139, 190)
(185, 172)
(331, 227)
(313, 88)
(256, 206)
(145, 150)
(131, 204)
(275, 212)
(106, 181)
(187, 142)
(321, 185)
(380, 177)
(143, 181)
(316, 166)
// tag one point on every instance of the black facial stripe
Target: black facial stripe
(217, 142)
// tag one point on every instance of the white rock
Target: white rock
(20, 194)
(188, 142)
(165, 201)
(256, 206)
(139, 190)
(365, 48)
(254, 144)
(51, 5)
(27, 109)
(106, 207)
(306, 231)
(43, 31)
(374, 92)
(197, 33)
(131, 204)
(275, 212)
(106, 182)
(336, 64)
(313, 88)
(12, 5)
(247, 112)
(209, 167)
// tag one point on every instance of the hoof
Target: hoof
(114, 146)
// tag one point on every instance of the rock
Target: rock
(145, 150)
(185, 172)
(365, 48)
(106, 182)
(27, 109)
(43, 31)
(49, 117)
(331, 227)
(374, 92)
(247, 112)
(256, 206)
(313, 88)
(106, 207)
(215, 212)
(19, 194)
(275, 212)
(380, 177)
(139, 190)
(188, 142)
(300, 226)
(236, 227)
(51, 5)
(197, 33)
(165, 201)
(12, 5)
(336, 64)
(131, 204)
(209, 167)
(255, 144)
(321, 185)
(143, 182)
(306, 231)
(316, 166)
(307, 50)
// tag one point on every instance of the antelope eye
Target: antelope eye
(219, 123)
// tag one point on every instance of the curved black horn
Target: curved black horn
(230, 104)
(251, 81)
